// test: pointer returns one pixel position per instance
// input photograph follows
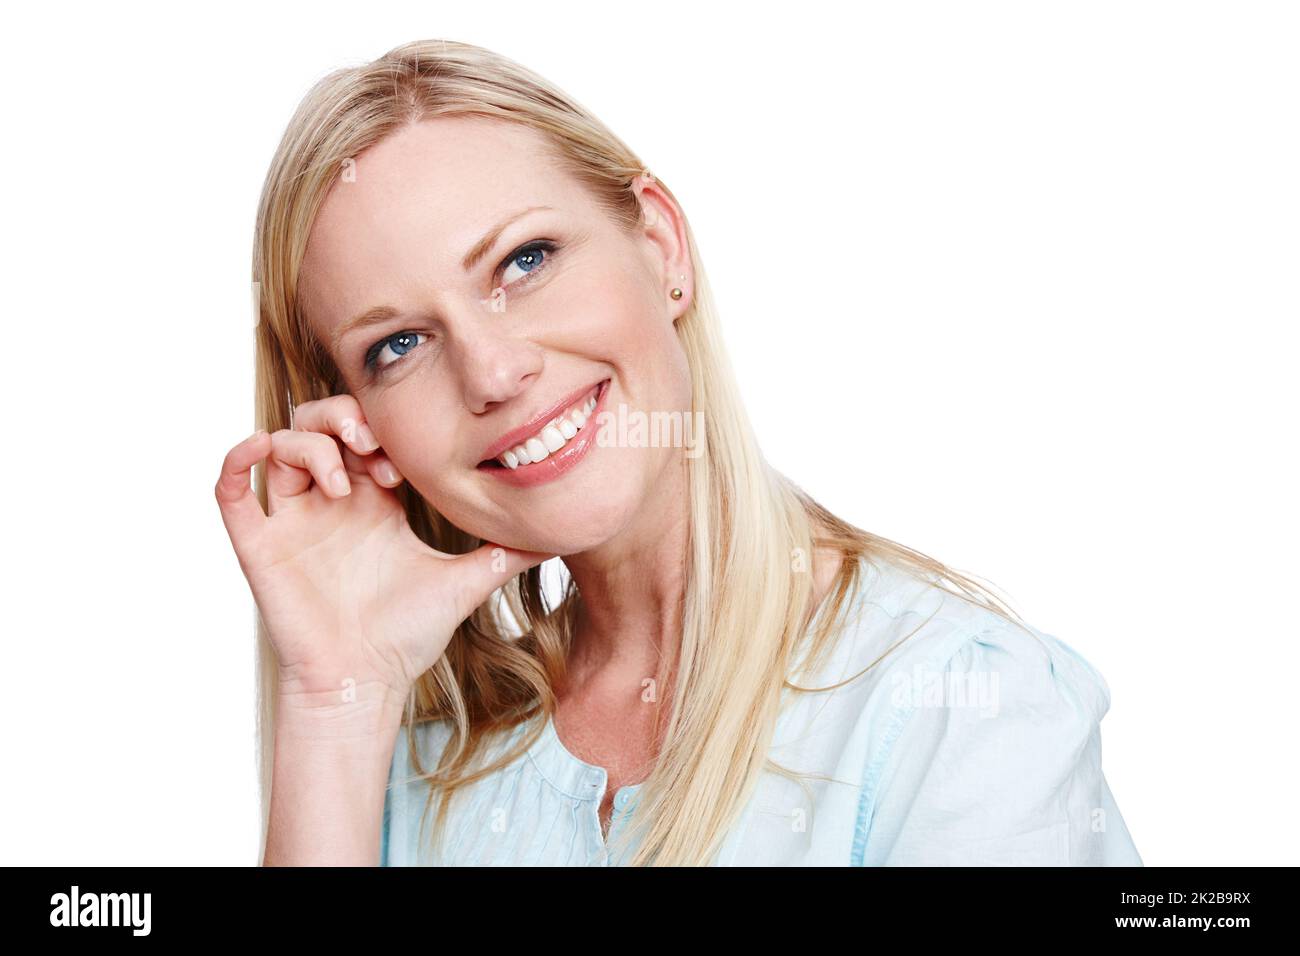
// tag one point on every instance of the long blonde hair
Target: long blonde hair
(749, 599)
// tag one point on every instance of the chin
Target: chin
(568, 524)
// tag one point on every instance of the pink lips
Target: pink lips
(531, 427)
(556, 464)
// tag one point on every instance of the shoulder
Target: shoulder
(895, 624)
(901, 633)
(975, 738)
(912, 656)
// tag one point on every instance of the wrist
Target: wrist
(353, 707)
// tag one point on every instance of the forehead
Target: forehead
(422, 197)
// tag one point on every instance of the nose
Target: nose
(496, 366)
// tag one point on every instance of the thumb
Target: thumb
(488, 567)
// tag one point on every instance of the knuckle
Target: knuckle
(346, 404)
(226, 475)
(287, 449)
(321, 443)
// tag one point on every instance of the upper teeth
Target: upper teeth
(553, 436)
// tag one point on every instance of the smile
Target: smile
(553, 436)
(555, 446)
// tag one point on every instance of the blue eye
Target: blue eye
(527, 259)
(398, 344)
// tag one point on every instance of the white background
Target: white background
(1012, 283)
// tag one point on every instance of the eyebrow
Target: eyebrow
(382, 313)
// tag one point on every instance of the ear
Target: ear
(665, 228)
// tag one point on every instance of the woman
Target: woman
(466, 282)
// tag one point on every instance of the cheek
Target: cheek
(635, 327)
(610, 299)
(408, 437)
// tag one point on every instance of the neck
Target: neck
(632, 590)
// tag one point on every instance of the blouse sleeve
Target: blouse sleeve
(392, 844)
(993, 758)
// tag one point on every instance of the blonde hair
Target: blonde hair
(748, 602)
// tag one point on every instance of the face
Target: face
(478, 336)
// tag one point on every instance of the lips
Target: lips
(530, 429)
(556, 464)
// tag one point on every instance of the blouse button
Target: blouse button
(620, 799)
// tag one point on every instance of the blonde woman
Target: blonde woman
(466, 283)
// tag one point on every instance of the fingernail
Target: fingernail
(257, 434)
(339, 480)
(388, 472)
(366, 439)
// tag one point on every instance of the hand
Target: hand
(345, 588)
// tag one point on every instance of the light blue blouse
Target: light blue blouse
(971, 742)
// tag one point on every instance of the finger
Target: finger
(483, 570)
(378, 467)
(298, 458)
(241, 512)
(337, 415)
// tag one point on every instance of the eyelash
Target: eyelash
(546, 246)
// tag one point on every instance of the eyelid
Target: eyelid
(370, 360)
(548, 246)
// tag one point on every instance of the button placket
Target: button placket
(596, 780)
